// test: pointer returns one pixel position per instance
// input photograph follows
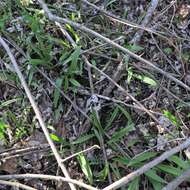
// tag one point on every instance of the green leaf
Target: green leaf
(82, 139)
(168, 50)
(74, 59)
(128, 116)
(130, 75)
(122, 160)
(102, 175)
(134, 48)
(56, 94)
(84, 164)
(115, 170)
(77, 39)
(169, 169)
(181, 163)
(156, 185)
(146, 80)
(152, 174)
(112, 118)
(171, 117)
(134, 185)
(142, 157)
(119, 134)
(96, 122)
(8, 102)
(75, 82)
(55, 137)
(3, 127)
(37, 62)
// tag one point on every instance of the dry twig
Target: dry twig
(136, 39)
(36, 110)
(47, 177)
(176, 182)
(55, 18)
(123, 181)
(16, 184)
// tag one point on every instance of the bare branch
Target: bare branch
(47, 177)
(36, 110)
(16, 184)
(136, 39)
(176, 182)
(83, 151)
(146, 20)
(123, 181)
(55, 18)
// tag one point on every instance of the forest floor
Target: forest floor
(114, 86)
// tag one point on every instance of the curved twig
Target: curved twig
(47, 177)
(16, 184)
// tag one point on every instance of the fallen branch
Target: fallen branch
(122, 21)
(16, 184)
(146, 20)
(47, 177)
(83, 151)
(36, 110)
(55, 18)
(123, 181)
(176, 182)
(136, 39)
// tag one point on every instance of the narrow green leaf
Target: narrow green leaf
(119, 134)
(181, 163)
(171, 117)
(82, 139)
(102, 175)
(96, 122)
(74, 59)
(122, 160)
(3, 127)
(169, 169)
(56, 94)
(152, 174)
(85, 167)
(146, 80)
(37, 62)
(134, 48)
(55, 137)
(130, 75)
(75, 82)
(142, 157)
(134, 185)
(112, 118)
(156, 185)
(128, 116)
(8, 102)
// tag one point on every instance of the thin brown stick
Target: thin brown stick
(123, 181)
(146, 20)
(47, 177)
(36, 110)
(22, 150)
(16, 184)
(55, 18)
(136, 39)
(176, 182)
(83, 151)
(120, 20)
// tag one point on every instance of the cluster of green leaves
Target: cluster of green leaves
(18, 126)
